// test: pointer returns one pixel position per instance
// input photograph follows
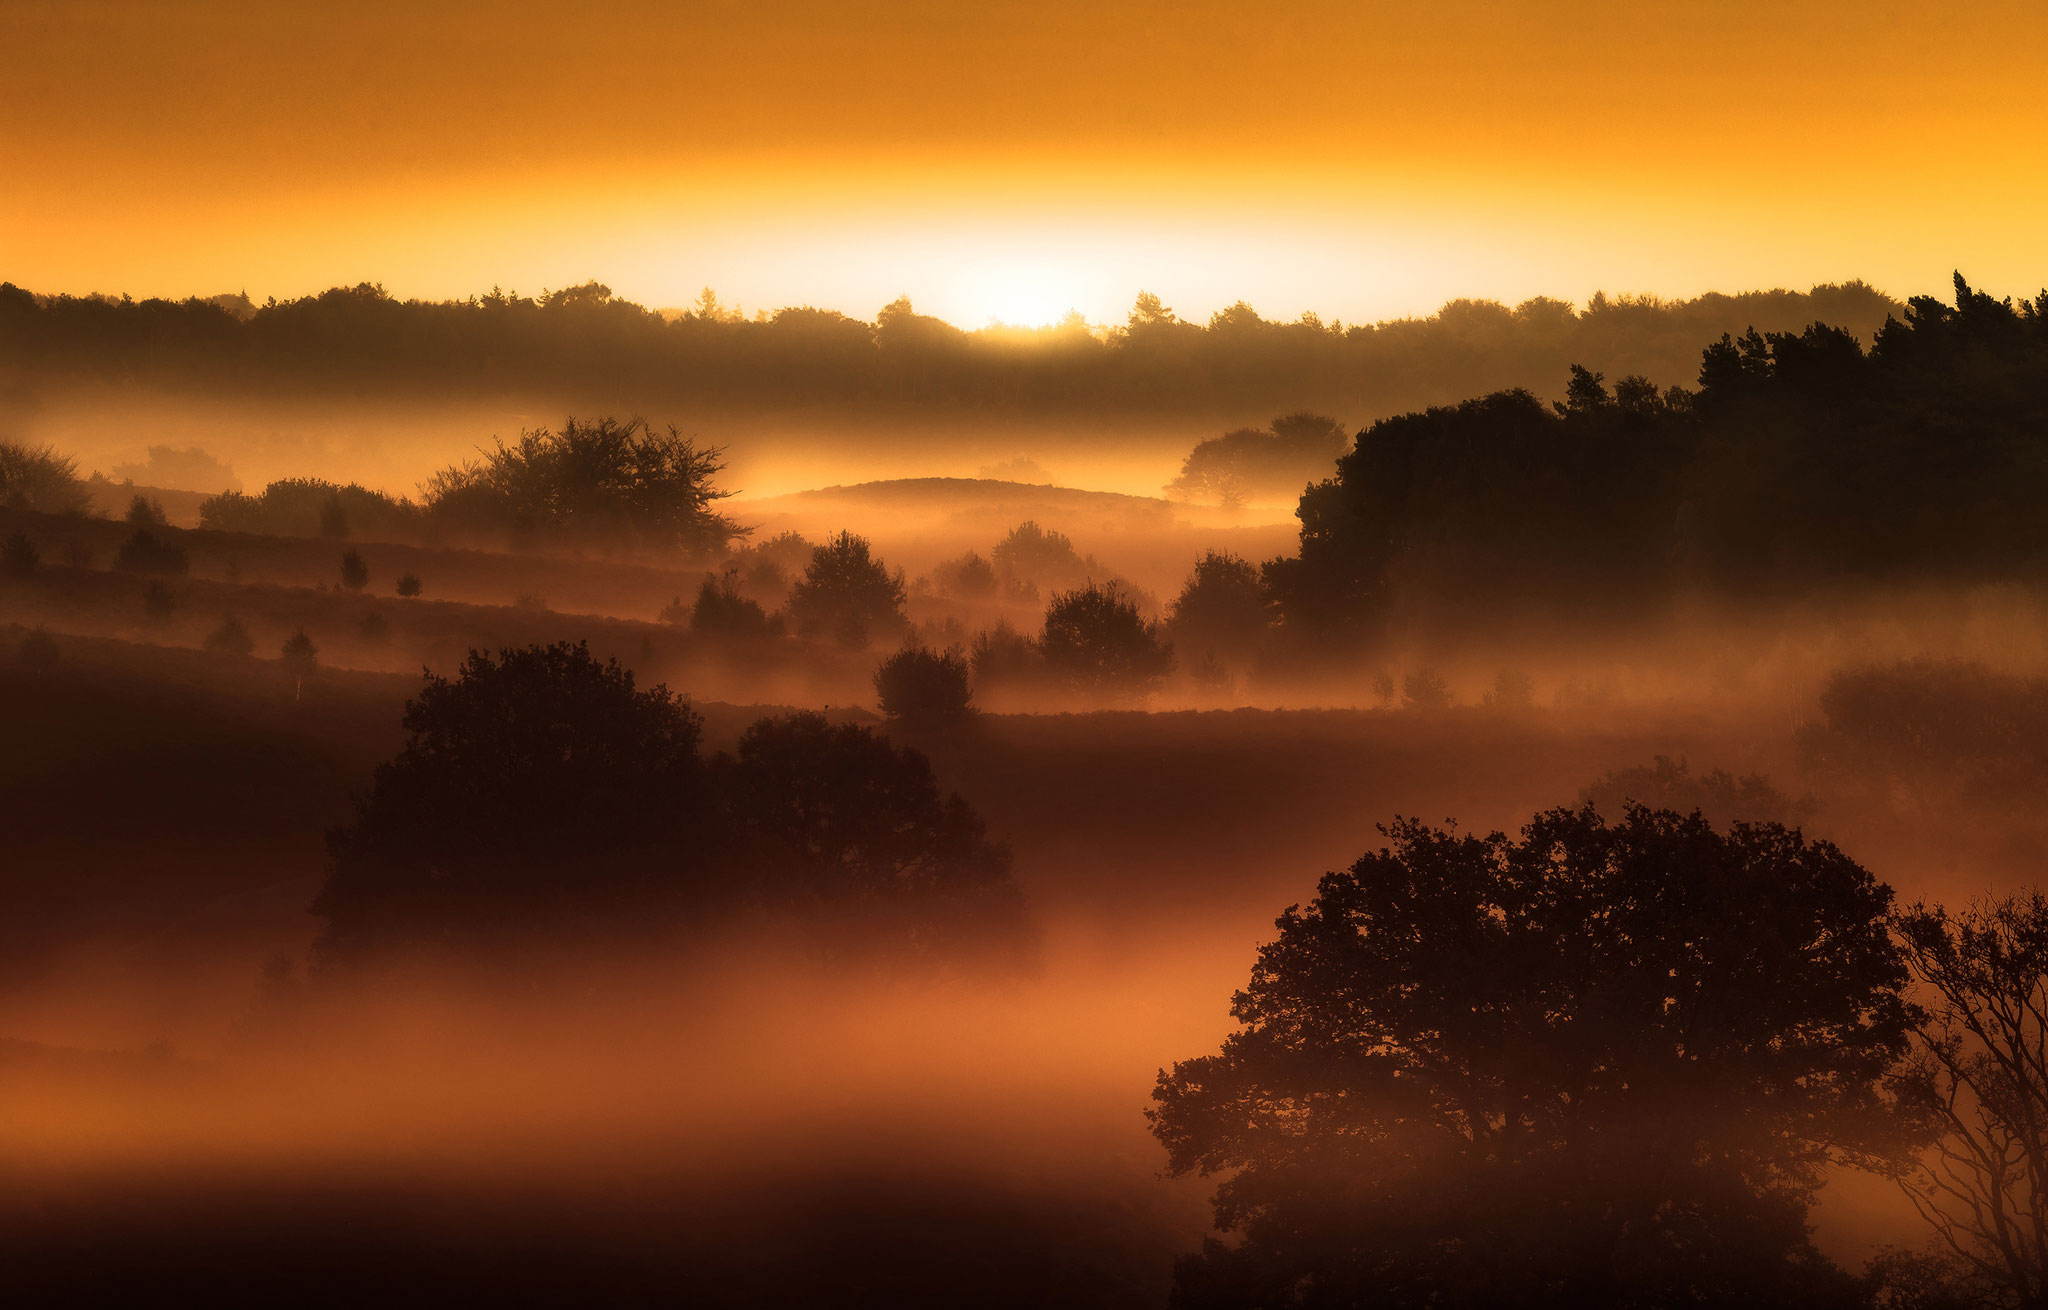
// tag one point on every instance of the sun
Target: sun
(1025, 294)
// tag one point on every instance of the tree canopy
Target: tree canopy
(1602, 1065)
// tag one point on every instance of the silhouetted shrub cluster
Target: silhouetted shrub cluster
(312, 507)
(545, 803)
(1262, 463)
(40, 480)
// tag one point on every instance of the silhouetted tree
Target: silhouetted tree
(1425, 689)
(408, 584)
(19, 557)
(147, 552)
(1979, 1077)
(539, 794)
(231, 637)
(313, 507)
(41, 481)
(857, 831)
(1511, 690)
(300, 655)
(969, 577)
(925, 688)
(1095, 642)
(1279, 461)
(605, 482)
(1604, 1065)
(355, 573)
(721, 612)
(146, 513)
(1222, 609)
(1667, 784)
(1039, 555)
(847, 594)
(1004, 657)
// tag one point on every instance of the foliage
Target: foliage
(721, 612)
(858, 829)
(1801, 459)
(847, 594)
(314, 507)
(539, 788)
(1425, 689)
(924, 687)
(1604, 1065)
(1222, 609)
(1723, 798)
(148, 552)
(970, 577)
(408, 584)
(146, 513)
(1979, 1077)
(1938, 729)
(1002, 656)
(40, 480)
(19, 556)
(231, 637)
(355, 573)
(1512, 690)
(1095, 642)
(1034, 554)
(604, 483)
(1261, 463)
(299, 653)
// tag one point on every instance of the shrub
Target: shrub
(1096, 642)
(41, 481)
(18, 557)
(970, 577)
(847, 593)
(146, 552)
(158, 604)
(313, 507)
(1034, 554)
(721, 612)
(299, 653)
(355, 572)
(146, 513)
(602, 482)
(1425, 689)
(374, 628)
(1002, 656)
(231, 637)
(923, 687)
(408, 585)
(1511, 690)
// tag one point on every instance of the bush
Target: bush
(231, 637)
(146, 513)
(299, 653)
(1034, 554)
(923, 687)
(313, 507)
(1425, 689)
(19, 557)
(846, 593)
(605, 483)
(355, 572)
(158, 604)
(1095, 642)
(41, 481)
(970, 577)
(1221, 610)
(1004, 657)
(408, 585)
(374, 628)
(1511, 690)
(146, 552)
(722, 613)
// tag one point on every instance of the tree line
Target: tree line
(363, 341)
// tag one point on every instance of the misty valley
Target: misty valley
(537, 800)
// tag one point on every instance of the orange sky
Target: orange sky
(1359, 159)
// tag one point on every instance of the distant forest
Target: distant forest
(582, 340)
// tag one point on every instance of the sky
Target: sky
(1013, 161)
